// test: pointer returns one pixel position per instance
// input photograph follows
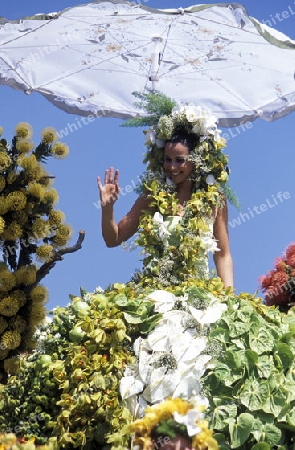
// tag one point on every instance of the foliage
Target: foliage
(69, 387)
(33, 236)
(251, 386)
(155, 105)
(11, 442)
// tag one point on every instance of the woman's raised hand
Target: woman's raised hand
(109, 192)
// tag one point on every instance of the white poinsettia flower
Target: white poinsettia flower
(129, 386)
(162, 227)
(210, 179)
(209, 243)
(189, 420)
(164, 301)
(209, 315)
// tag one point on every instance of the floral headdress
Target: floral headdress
(171, 418)
(166, 120)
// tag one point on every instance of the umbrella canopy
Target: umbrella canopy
(88, 59)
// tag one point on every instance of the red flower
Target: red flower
(290, 250)
(291, 260)
(279, 278)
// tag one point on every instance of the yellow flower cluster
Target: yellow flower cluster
(143, 428)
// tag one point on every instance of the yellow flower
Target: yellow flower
(16, 201)
(1, 131)
(49, 135)
(18, 323)
(36, 190)
(12, 232)
(56, 217)
(10, 339)
(5, 162)
(60, 150)
(45, 253)
(20, 296)
(50, 197)
(23, 130)
(39, 294)
(24, 146)
(2, 225)
(26, 275)
(28, 163)
(9, 306)
(3, 207)
(7, 279)
(40, 228)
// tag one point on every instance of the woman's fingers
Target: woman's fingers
(111, 176)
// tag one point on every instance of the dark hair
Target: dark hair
(190, 140)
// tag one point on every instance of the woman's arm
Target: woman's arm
(222, 258)
(114, 234)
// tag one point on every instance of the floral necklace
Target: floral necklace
(180, 254)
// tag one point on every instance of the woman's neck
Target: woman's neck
(184, 191)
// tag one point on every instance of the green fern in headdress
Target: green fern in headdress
(154, 104)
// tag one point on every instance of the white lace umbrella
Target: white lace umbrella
(90, 58)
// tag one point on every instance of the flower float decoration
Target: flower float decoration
(278, 285)
(33, 236)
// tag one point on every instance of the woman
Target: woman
(179, 169)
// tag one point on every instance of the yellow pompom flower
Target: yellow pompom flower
(20, 217)
(23, 130)
(26, 275)
(2, 183)
(19, 296)
(5, 161)
(3, 207)
(7, 280)
(37, 314)
(2, 225)
(45, 253)
(16, 201)
(9, 306)
(40, 228)
(50, 197)
(56, 217)
(11, 178)
(11, 366)
(3, 324)
(28, 163)
(39, 294)
(60, 150)
(24, 145)
(42, 176)
(36, 190)
(49, 135)
(17, 323)
(62, 236)
(10, 340)
(12, 232)
(1, 131)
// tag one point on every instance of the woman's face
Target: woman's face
(176, 165)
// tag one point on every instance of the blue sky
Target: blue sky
(261, 159)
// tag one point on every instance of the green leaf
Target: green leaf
(254, 393)
(261, 446)
(241, 429)
(261, 340)
(266, 432)
(221, 415)
(285, 355)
